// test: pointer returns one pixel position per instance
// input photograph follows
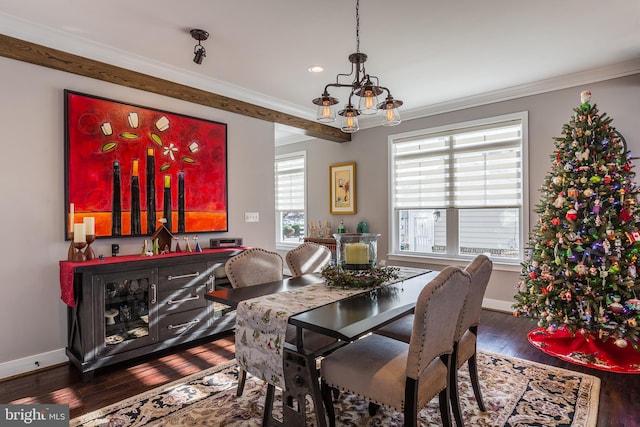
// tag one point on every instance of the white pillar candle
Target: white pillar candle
(78, 233)
(356, 253)
(89, 226)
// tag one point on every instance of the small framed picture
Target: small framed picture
(342, 188)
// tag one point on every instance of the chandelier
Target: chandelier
(365, 86)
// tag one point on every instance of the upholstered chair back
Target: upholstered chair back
(480, 271)
(307, 258)
(437, 311)
(254, 266)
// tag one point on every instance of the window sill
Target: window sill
(500, 265)
(287, 246)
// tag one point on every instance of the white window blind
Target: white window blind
(290, 183)
(471, 168)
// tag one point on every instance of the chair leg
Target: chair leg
(454, 399)
(268, 405)
(443, 399)
(411, 403)
(326, 392)
(373, 408)
(473, 373)
(241, 380)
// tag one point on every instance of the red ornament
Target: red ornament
(572, 215)
(555, 221)
(624, 215)
(607, 179)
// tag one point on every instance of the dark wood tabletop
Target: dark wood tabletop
(347, 319)
(233, 296)
(353, 317)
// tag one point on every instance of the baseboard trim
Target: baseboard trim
(32, 363)
(497, 305)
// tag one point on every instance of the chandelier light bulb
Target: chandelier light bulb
(391, 117)
(368, 102)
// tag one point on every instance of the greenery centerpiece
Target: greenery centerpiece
(358, 279)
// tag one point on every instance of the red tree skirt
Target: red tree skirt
(587, 351)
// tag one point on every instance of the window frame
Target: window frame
(452, 257)
(280, 244)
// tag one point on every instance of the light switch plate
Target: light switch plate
(251, 217)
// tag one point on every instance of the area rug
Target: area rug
(587, 350)
(516, 393)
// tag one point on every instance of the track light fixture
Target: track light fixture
(365, 86)
(199, 50)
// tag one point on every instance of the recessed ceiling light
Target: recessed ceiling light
(315, 69)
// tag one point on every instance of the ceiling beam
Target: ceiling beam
(52, 58)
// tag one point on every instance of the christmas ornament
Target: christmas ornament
(571, 215)
(622, 343)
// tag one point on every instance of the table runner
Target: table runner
(261, 324)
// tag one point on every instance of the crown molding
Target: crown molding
(594, 75)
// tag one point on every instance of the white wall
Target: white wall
(33, 317)
(619, 98)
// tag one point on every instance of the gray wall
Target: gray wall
(33, 317)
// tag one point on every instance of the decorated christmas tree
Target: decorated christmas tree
(581, 268)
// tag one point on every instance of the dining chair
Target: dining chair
(466, 335)
(307, 258)
(256, 266)
(404, 376)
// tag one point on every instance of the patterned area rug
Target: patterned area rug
(516, 393)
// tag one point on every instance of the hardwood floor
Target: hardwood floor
(498, 332)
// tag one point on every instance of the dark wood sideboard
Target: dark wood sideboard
(126, 307)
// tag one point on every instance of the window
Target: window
(290, 198)
(457, 191)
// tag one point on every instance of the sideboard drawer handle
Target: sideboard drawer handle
(183, 276)
(154, 294)
(182, 325)
(178, 301)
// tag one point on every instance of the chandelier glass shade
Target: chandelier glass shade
(364, 86)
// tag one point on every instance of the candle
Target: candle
(71, 216)
(135, 167)
(89, 226)
(356, 253)
(78, 233)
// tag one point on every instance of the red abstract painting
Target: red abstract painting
(129, 166)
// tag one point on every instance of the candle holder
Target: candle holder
(356, 251)
(72, 250)
(90, 255)
(79, 256)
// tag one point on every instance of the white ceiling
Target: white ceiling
(434, 55)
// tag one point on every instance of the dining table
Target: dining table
(306, 303)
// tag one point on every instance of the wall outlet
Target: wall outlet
(251, 217)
